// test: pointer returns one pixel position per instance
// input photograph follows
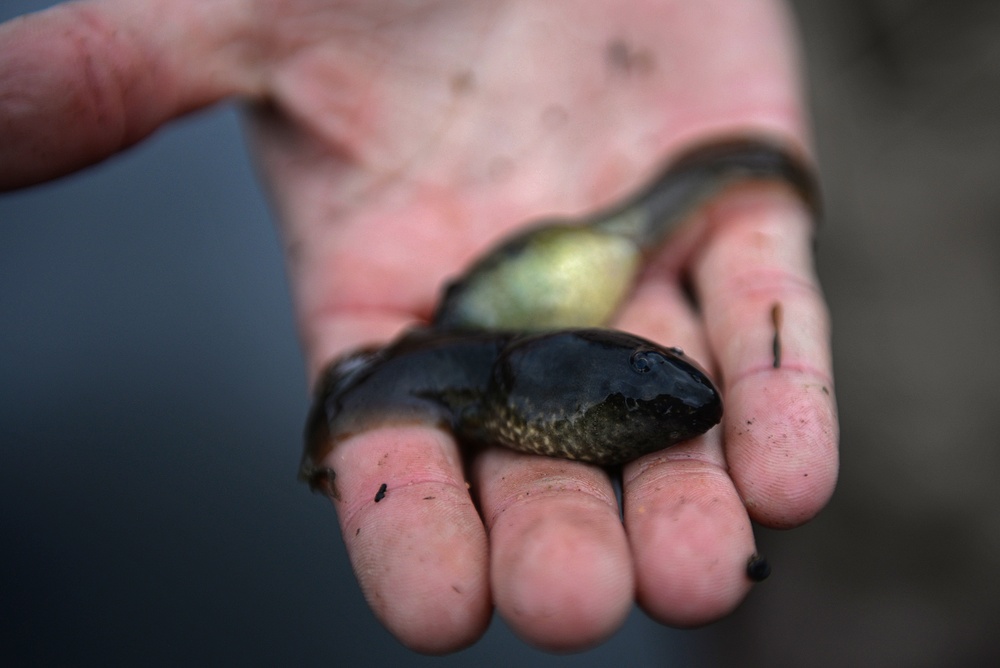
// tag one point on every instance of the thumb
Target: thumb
(84, 80)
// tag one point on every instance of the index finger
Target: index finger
(413, 534)
(412, 531)
(769, 328)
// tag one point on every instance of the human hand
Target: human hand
(399, 140)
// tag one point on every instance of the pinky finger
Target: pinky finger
(769, 328)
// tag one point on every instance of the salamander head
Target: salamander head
(598, 395)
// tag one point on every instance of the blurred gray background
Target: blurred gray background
(152, 396)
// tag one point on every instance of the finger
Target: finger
(768, 326)
(84, 80)
(687, 527)
(413, 535)
(560, 569)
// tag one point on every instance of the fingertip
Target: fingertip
(414, 537)
(562, 581)
(782, 448)
(561, 572)
(427, 584)
(692, 540)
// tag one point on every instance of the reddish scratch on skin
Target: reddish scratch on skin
(776, 317)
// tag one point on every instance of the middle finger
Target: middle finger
(690, 535)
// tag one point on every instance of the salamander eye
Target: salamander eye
(642, 361)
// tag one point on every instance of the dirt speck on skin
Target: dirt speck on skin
(463, 82)
(758, 569)
(554, 116)
(626, 58)
(500, 169)
(776, 320)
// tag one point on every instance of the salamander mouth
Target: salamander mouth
(708, 416)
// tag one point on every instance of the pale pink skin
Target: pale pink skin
(402, 139)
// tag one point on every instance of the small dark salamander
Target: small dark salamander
(594, 395)
(576, 273)
(513, 356)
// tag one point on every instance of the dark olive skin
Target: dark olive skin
(576, 273)
(594, 395)
(424, 377)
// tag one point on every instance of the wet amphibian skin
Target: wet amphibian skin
(576, 273)
(594, 395)
(512, 356)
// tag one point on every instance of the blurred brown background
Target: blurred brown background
(151, 395)
(903, 568)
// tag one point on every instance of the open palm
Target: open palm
(398, 140)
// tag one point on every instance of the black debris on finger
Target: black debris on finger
(758, 569)
(776, 317)
(380, 494)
